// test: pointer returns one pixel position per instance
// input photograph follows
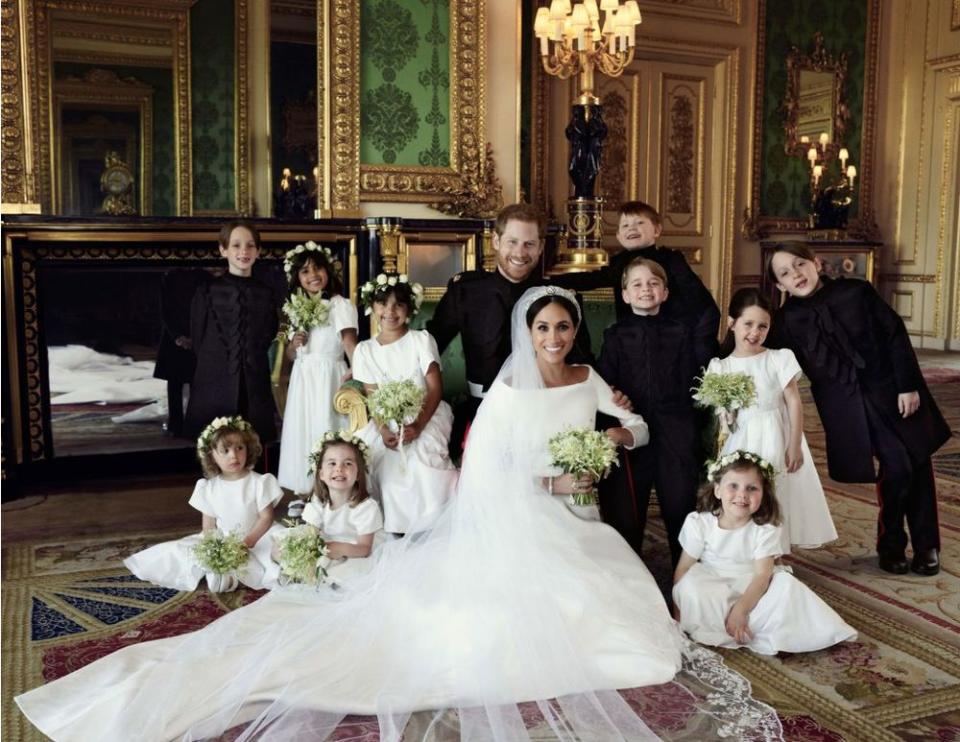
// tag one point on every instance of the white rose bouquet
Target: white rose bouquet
(726, 394)
(305, 312)
(220, 553)
(303, 556)
(582, 451)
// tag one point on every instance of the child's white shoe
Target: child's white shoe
(221, 583)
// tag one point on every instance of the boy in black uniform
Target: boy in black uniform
(653, 360)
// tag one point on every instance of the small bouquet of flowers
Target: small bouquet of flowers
(220, 553)
(583, 451)
(305, 312)
(395, 404)
(303, 556)
(725, 393)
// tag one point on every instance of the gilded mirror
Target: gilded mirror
(813, 103)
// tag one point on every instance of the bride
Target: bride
(508, 597)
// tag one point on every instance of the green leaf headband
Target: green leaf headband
(716, 466)
(377, 287)
(337, 436)
(235, 423)
(311, 246)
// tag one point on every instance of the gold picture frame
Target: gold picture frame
(755, 225)
(345, 181)
(104, 90)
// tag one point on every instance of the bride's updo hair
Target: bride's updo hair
(572, 309)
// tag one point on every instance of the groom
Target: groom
(477, 306)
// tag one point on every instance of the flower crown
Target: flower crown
(372, 289)
(310, 246)
(717, 465)
(337, 436)
(234, 422)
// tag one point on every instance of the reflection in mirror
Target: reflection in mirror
(814, 102)
(115, 378)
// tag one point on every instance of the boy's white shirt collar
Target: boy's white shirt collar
(646, 312)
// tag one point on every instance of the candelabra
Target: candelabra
(829, 204)
(572, 41)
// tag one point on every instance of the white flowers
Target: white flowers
(337, 436)
(305, 312)
(219, 552)
(583, 451)
(303, 555)
(374, 290)
(396, 402)
(716, 466)
(234, 422)
(310, 246)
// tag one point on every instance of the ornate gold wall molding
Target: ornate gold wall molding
(174, 17)
(241, 145)
(467, 106)
(726, 12)
(755, 225)
(103, 88)
(15, 177)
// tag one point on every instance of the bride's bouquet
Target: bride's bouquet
(725, 393)
(304, 312)
(395, 404)
(583, 451)
(303, 556)
(219, 552)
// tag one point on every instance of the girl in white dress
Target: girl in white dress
(341, 507)
(413, 477)
(509, 600)
(772, 426)
(232, 497)
(318, 362)
(726, 587)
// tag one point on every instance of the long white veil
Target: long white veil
(471, 628)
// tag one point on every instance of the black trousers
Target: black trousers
(625, 494)
(906, 490)
(463, 415)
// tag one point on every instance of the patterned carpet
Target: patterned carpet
(65, 605)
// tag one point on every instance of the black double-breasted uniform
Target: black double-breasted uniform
(688, 301)
(233, 321)
(855, 350)
(653, 360)
(477, 305)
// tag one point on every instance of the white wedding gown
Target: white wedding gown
(509, 598)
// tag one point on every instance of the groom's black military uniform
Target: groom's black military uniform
(477, 306)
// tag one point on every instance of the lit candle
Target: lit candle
(812, 155)
(844, 156)
(824, 139)
(851, 174)
(817, 173)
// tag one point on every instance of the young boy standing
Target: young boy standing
(652, 358)
(689, 302)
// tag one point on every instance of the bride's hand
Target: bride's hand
(620, 436)
(568, 484)
(390, 439)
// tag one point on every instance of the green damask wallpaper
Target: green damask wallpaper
(212, 81)
(405, 82)
(784, 179)
(164, 160)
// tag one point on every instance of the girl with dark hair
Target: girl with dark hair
(727, 588)
(410, 466)
(872, 399)
(773, 425)
(317, 348)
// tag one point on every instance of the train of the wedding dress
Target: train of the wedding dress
(507, 598)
